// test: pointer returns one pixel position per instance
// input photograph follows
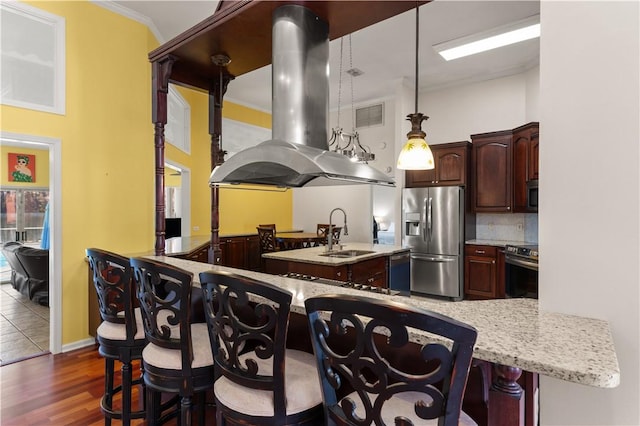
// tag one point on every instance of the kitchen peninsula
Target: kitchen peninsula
(361, 263)
(513, 334)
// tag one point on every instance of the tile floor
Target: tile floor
(24, 326)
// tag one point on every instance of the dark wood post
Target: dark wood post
(216, 95)
(161, 71)
(506, 402)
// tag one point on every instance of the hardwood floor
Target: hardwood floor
(62, 389)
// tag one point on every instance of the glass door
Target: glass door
(22, 215)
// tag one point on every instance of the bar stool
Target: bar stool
(121, 334)
(361, 346)
(259, 380)
(177, 359)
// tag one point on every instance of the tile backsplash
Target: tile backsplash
(508, 227)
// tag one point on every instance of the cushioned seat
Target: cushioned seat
(259, 380)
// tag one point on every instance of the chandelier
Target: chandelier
(348, 144)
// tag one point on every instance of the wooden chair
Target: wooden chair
(364, 374)
(267, 237)
(121, 334)
(266, 384)
(323, 229)
(178, 357)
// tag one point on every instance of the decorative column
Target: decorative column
(506, 402)
(161, 71)
(216, 95)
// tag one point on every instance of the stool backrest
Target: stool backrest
(322, 230)
(243, 315)
(359, 344)
(267, 237)
(164, 295)
(111, 275)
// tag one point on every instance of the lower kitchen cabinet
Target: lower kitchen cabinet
(281, 267)
(242, 252)
(370, 272)
(484, 272)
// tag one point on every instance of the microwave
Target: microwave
(532, 195)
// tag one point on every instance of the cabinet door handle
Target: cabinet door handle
(370, 280)
(338, 274)
(480, 251)
(493, 261)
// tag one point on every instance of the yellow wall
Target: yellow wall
(41, 169)
(107, 149)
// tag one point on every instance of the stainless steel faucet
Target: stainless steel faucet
(330, 236)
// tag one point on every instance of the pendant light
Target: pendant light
(416, 154)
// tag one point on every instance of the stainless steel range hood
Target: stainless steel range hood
(298, 155)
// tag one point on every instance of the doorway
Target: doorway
(28, 217)
(177, 199)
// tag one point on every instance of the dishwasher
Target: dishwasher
(400, 273)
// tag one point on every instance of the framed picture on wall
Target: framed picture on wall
(22, 167)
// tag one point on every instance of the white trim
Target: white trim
(131, 14)
(55, 222)
(58, 23)
(78, 345)
(175, 96)
(246, 105)
(185, 197)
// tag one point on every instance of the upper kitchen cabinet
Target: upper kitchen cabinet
(452, 164)
(525, 163)
(492, 168)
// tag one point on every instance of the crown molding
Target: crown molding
(131, 14)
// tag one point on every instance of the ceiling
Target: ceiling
(385, 52)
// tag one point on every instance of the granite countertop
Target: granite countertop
(313, 254)
(183, 245)
(513, 332)
(498, 243)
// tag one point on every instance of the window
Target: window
(32, 68)
(177, 132)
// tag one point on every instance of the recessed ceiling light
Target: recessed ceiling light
(505, 35)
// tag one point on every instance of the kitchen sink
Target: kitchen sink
(346, 253)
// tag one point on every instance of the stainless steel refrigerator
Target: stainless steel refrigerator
(435, 225)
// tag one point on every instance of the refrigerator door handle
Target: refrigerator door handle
(425, 227)
(433, 259)
(429, 218)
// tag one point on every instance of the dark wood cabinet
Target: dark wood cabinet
(525, 163)
(242, 252)
(492, 166)
(373, 272)
(452, 164)
(481, 272)
(370, 272)
(281, 267)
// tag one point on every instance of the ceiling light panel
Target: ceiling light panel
(515, 32)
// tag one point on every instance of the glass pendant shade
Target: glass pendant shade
(416, 154)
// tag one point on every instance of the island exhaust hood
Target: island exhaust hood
(298, 155)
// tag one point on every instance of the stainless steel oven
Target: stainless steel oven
(521, 271)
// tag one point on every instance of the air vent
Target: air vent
(370, 116)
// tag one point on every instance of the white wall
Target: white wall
(590, 193)
(456, 113)
(312, 205)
